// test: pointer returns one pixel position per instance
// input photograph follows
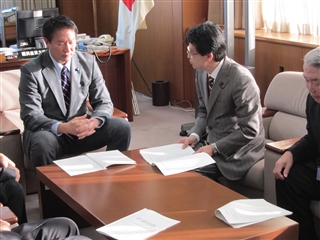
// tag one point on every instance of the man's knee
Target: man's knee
(41, 148)
(11, 190)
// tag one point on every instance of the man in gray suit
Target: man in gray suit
(55, 113)
(229, 115)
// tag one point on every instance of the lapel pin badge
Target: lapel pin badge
(78, 70)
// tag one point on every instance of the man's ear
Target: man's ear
(46, 40)
(210, 57)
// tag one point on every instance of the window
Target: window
(294, 16)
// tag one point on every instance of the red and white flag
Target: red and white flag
(132, 14)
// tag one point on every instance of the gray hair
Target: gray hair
(312, 58)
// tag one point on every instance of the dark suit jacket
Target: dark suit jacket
(41, 98)
(307, 149)
(232, 118)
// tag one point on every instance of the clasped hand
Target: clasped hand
(80, 126)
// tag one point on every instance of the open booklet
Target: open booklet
(139, 225)
(92, 162)
(244, 212)
(172, 159)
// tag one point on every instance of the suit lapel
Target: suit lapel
(219, 84)
(75, 76)
(53, 80)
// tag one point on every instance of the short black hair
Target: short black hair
(207, 38)
(56, 23)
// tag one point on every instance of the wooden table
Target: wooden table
(116, 72)
(105, 196)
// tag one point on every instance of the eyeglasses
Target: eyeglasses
(189, 53)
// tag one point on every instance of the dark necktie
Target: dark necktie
(66, 86)
(211, 81)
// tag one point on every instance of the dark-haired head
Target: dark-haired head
(207, 38)
(56, 23)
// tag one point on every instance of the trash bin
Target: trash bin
(160, 93)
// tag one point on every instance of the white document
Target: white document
(172, 159)
(92, 162)
(139, 225)
(244, 212)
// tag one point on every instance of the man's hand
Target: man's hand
(283, 166)
(5, 161)
(188, 141)
(4, 226)
(207, 149)
(80, 126)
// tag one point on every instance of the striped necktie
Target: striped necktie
(66, 86)
(211, 81)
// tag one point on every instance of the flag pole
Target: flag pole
(134, 63)
(95, 21)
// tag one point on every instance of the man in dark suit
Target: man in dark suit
(12, 195)
(298, 170)
(55, 113)
(229, 106)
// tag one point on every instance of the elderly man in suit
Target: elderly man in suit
(229, 116)
(53, 91)
(298, 170)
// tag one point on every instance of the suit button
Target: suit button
(210, 128)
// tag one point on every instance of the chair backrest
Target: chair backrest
(9, 97)
(287, 93)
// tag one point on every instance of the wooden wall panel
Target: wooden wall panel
(198, 9)
(107, 17)
(160, 50)
(272, 58)
(81, 12)
(153, 52)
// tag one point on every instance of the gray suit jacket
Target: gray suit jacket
(41, 98)
(232, 118)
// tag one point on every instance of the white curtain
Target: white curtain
(215, 13)
(26, 5)
(294, 16)
(36, 4)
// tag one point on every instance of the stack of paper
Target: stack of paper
(140, 225)
(244, 212)
(172, 159)
(92, 162)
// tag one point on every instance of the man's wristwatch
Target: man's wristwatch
(214, 149)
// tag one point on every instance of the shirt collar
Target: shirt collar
(215, 72)
(59, 66)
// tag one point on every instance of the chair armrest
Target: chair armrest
(281, 146)
(273, 152)
(267, 115)
(117, 113)
(268, 112)
(9, 132)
